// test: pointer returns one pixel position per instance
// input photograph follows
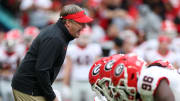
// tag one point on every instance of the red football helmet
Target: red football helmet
(124, 76)
(105, 75)
(12, 38)
(30, 33)
(162, 63)
(14, 34)
(168, 27)
(94, 75)
(105, 72)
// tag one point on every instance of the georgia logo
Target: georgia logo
(119, 69)
(96, 70)
(109, 65)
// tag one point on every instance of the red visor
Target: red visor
(79, 17)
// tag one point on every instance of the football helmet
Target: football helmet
(105, 76)
(168, 27)
(30, 33)
(124, 75)
(12, 38)
(14, 34)
(94, 75)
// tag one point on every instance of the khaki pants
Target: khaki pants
(19, 96)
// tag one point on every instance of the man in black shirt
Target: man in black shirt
(38, 70)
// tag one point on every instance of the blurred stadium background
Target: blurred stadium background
(149, 28)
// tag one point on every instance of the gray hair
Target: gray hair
(69, 9)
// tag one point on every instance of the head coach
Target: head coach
(38, 70)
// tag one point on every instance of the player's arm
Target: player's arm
(163, 92)
(67, 70)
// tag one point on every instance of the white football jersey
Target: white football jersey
(9, 59)
(150, 79)
(82, 59)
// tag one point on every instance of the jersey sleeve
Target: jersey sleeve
(150, 79)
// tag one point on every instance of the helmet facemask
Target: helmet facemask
(106, 86)
(122, 92)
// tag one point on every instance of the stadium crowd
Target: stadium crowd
(149, 28)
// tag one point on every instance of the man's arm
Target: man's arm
(163, 92)
(48, 52)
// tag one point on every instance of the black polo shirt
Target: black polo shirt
(42, 63)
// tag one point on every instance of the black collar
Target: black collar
(66, 33)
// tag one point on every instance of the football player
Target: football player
(132, 80)
(80, 56)
(159, 82)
